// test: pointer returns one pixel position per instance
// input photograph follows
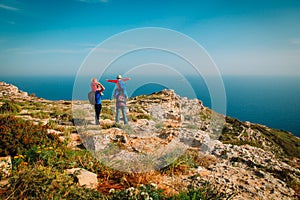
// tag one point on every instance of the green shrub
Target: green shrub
(189, 159)
(143, 192)
(204, 193)
(62, 115)
(132, 117)
(106, 116)
(283, 140)
(10, 107)
(18, 135)
(41, 182)
(108, 126)
(159, 125)
(40, 115)
(107, 111)
(144, 116)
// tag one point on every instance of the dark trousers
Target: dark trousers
(98, 108)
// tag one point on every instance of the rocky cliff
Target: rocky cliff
(188, 144)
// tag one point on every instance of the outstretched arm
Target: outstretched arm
(126, 79)
(112, 80)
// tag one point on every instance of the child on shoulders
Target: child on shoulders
(120, 84)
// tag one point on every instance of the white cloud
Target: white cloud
(259, 62)
(295, 41)
(43, 51)
(8, 7)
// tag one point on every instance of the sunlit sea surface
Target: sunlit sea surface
(271, 101)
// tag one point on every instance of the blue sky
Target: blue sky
(243, 37)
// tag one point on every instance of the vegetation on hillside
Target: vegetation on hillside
(40, 160)
(39, 164)
(280, 142)
(10, 107)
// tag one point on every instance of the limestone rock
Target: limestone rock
(164, 123)
(54, 132)
(75, 137)
(107, 122)
(5, 166)
(11, 90)
(85, 178)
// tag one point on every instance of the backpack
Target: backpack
(91, 97)
(121, 100)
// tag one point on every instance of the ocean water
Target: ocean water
(271, 101)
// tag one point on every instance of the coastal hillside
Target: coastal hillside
(172, 148)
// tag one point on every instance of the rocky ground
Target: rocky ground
(241, 159)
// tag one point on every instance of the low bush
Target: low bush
(144, 116)
(204, 193)
(40, 182)
(106, 110)
(10, 107)
(143, 192)
(18, 135)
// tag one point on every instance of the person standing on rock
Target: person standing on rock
(120, 105)
(120, 94)
(98, 102)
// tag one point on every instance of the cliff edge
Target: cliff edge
(191, 145)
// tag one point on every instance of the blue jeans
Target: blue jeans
(123, 109)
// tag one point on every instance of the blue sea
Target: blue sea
(271, 101)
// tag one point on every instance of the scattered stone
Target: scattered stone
(5, 167)
(75, 137)
(61, 138)
(107, 122)
(54, 132)
(85, 178)
(166, 123)
(8, 90)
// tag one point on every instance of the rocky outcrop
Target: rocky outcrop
(177, 124)
(242, 160)
(7, 90)
(247, 172)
